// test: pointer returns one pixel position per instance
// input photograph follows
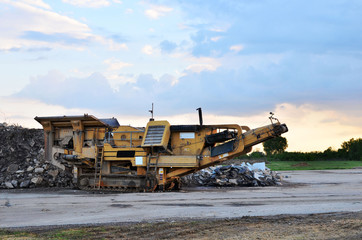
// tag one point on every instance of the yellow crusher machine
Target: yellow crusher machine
(105, 155)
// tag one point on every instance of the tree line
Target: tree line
(275, 150)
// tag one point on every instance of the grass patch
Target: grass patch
(7, 235)
(276, 165)
(68, 234)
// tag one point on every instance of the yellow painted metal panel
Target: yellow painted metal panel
(176, 161)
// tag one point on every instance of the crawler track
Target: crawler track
(114, 182)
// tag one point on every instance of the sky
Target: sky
(236, 59)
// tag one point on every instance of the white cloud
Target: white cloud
(112, 45)
(215, 39)
(156, 12)
(115, 80)
(117, 1)
(237, 48)
(220, 29)
(37, 3)
(89, 3)
(203, 64)
(147, 49)
(22, 111)
(42, 28)
(38, 21)
(199, 67)
(114, 64)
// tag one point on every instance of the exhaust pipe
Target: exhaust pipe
(200, 116)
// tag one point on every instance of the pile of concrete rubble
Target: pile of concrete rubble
(22, 163)
(234, 175)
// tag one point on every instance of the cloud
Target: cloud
(225, 96)
(199, 67)
(237, 48)
(53, 38)
(117, 80)
(219, 29)
(259, 82)
(317, 27)
(215, 39)
(38, 3)
(23, 110)
(156, 12)
(113, 75)
(89, 3)
(203, 64)
(98, 92)
(114, 64)
(38, 27)
(54, 88)
(112, 45)
(147, 49)
(167, 46)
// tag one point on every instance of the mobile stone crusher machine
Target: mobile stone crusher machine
(105, 155)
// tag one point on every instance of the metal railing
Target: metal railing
(110, 139)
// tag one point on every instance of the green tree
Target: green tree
(275, 145)
(352, 149)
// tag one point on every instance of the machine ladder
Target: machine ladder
(98, 167)
(151, 179)
(150, 164)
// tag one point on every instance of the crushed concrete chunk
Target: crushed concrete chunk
(14, 183)
(29, 169)
(37, 180)
(13, 168)
(9, 185)
(53, 173)
(39, 170)
(25, 184)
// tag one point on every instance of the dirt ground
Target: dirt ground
(313, 226)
